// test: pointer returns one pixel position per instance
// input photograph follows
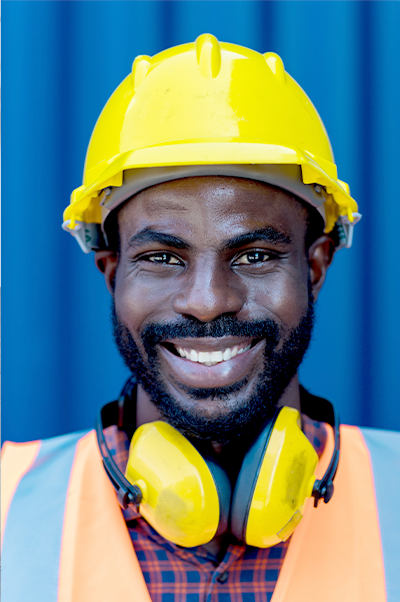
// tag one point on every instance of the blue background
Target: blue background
(61, 61)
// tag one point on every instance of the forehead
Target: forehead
(213, 206)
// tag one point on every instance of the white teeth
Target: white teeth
(204, 357)
(211, 358)
(216, 356)
(234, 351)
(226, 355)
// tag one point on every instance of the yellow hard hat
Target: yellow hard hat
(207, 108)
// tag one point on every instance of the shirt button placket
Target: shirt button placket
(220, 577)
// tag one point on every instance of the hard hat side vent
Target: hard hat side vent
(208, 54)
(275, 63)
(140, 67)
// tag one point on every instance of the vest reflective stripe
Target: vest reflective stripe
(65, 528)
(32, 534)
(22, 456)
(386, 468)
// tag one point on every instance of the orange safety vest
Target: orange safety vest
(64, 538)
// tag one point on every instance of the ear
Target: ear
(320, 257)
(107, 262)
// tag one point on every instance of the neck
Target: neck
(146, 411)
(291, 395)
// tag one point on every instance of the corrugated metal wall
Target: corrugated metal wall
(61, 61)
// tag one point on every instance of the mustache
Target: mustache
(225, 325)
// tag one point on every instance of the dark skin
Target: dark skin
(222, 246)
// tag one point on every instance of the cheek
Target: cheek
(140, 300)
(284, 297)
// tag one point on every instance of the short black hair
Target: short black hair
(314, 226)
(112, 230)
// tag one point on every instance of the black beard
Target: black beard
(245, 418)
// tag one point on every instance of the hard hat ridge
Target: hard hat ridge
(275, 63)
(140, 67)
(208, 53)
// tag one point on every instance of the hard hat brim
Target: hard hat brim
(110, 173)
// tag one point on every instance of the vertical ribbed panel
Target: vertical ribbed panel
(62, 60)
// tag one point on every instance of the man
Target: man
(212, 202)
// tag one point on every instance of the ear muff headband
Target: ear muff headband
(322, 410)
(111, 414)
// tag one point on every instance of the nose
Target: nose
(208, 291)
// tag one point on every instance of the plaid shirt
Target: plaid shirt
(175, 574)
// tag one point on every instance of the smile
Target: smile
(210, 358)
(212, 362)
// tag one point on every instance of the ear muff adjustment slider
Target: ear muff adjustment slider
(322, 492)
(128, 498)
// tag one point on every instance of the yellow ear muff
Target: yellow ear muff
(281, 465)
(180, 496)
(187, 498)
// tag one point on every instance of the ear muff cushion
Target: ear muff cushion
(180, 497)
(247, 479)
(224, 490)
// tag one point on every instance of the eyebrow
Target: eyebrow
(268, 234)
(149, 235)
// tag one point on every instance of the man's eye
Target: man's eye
(253, 257)
(165, 258)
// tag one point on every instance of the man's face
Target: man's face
(213, 308)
